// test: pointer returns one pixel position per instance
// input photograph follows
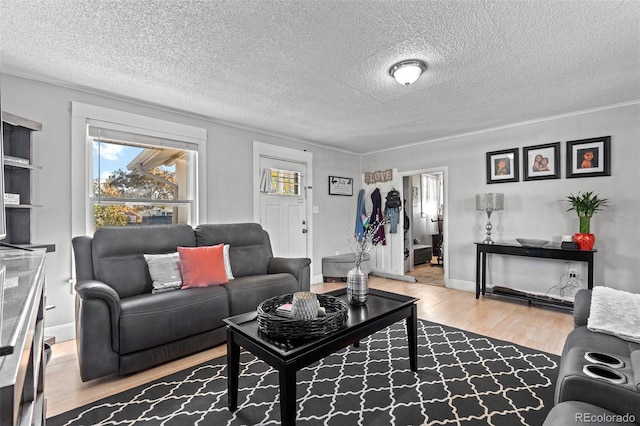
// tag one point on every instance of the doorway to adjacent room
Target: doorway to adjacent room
(425, 236)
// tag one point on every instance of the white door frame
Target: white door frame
(445, 229)
(261, 149)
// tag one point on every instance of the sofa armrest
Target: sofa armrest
(93, 289)
(298, 267)
(97, 321)
(97, 290)
(581, 307)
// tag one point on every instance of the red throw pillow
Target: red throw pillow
(202, 266)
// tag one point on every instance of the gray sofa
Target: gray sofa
(576, 392)
(121, 327)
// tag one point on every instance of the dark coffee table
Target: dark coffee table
(382, 309)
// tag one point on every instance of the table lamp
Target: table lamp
(489, 202)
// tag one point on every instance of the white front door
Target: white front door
(283, 205)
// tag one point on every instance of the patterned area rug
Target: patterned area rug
(463, 378)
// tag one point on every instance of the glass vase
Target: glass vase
(357, 286)
(304, 306)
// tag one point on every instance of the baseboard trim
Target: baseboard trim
(61, 332)
(460, 285)
(385, 274)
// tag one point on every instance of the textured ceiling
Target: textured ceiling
(318, 70)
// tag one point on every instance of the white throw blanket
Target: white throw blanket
(615, 312)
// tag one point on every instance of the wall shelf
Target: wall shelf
(17, 143)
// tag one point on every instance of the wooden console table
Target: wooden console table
(518, 250)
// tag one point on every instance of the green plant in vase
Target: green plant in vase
(585, 205)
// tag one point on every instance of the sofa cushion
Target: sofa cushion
(118, 254)
(227, 263)
(249, 245)
(247, 292)
(581, 337)
(149, 320)
(165, 271)
(202, 266)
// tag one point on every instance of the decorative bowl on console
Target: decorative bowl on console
(531, 242)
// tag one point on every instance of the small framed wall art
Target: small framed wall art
(541, 161)
(340, 185)
(502, 166)
(589, 157)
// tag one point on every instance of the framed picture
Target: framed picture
(502, 166)
(589, 157)
(340, 185)
(541, 161)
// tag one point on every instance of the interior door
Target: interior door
(283, 205)
(388, 258)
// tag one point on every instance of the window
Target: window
(139, 180)
(139, 170)
(285, 182)
(431, 200)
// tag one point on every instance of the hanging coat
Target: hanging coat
(376, 215)
(361, 216)
(392, 214)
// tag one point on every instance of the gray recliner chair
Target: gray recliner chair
(578, 393)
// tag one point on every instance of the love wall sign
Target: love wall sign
(378, 176)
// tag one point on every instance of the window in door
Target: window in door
(285, 182)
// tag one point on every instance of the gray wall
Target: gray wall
(229, 175)
(533, 209)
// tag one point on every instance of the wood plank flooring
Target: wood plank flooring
(534, 327)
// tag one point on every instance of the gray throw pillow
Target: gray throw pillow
(227, 263)
(165, 271)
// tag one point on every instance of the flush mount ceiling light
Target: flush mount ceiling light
(406, 72)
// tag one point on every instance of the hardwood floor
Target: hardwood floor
(534, 327)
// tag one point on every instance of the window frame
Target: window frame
(82, 159)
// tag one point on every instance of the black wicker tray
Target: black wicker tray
(289, 328)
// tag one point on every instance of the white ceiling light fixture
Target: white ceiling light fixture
(406, 72)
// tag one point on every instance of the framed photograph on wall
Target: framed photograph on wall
(541, 161)
(340, 185)
(502, 166)
(589, 157)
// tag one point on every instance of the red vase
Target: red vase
(584, 241)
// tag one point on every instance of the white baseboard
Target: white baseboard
(391, 275)
(61, 332)
(460, 285)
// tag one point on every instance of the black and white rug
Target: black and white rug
(463, 378)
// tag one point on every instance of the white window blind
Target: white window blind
(113, 133)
